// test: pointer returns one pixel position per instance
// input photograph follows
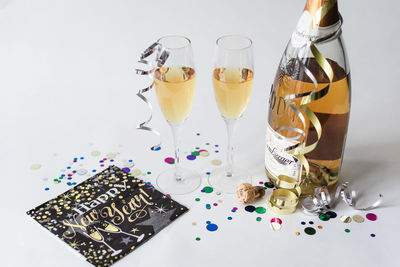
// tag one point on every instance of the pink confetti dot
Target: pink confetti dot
(101, 165)
(215, 204)
(169, 160)
(371, 216)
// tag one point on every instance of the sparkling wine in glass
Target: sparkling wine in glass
(175, 86)
(233, 82)
(93, 233)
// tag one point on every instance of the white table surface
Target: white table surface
(68, 88)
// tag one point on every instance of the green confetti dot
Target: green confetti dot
(148, 172)
(197, 148)
(197, 238)
(347, 230)
(208, 207)
(197, 199)
(260, 210)
(207, 144)
(258, 219)
(55, 180)
(195, 153)
(208, 189)
(310, 231)
(324, 217)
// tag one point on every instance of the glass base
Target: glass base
(221, 182)
(167, 183)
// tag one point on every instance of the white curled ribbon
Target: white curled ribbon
(162, 55)
(322, 201)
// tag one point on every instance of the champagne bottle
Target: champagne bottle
(309, 102)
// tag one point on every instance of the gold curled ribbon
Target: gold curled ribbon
(285, 199)
(162, 55)
(303, 111)
(322, 201)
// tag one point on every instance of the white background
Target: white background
(68, 87)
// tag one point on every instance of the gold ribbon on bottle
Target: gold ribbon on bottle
(162, 55)
(304, 112)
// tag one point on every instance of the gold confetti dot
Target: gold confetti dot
(297, 233)
(95, 153)
(136, 172)
(216, 162)
(194, 223)
(36, 166)
(345, 219)
(111, 155)
(204, 153)
(320, 227)
(358, 219)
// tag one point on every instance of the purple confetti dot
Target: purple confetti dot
(198, 134)
(191, 157)
(74, 171)
(372, 235)
(127, 170)
(112, 160)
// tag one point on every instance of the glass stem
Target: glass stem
(230, 127)
(176, 133)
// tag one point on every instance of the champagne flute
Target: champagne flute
(233, 83)
(111, 228)
(94, 234)
(175, 85)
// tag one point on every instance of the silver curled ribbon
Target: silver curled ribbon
(159, 61)
(322, 201)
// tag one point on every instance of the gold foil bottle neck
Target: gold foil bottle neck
(325, 12)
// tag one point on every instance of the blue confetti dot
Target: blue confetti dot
(74, 183)
(82, 157)
(208, 173)
(130, 160)
(75, 158)
(216, 151)
(101, 161)
(229, 218)
(208, 222)
(62, 175)
(233, 210)
(93, 170)
(216, 145)
(69, 167)
(47, 189)
(212, 227)
(311, 222)
(111, 160)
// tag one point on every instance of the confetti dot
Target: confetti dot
(331, 214)
(269, 184)
(358, 219)
(47, 189)
(319, 226)
(373, 235)
(212, 227)
(93, 170)
(69, 167)
(101, 165)
(233, 210)
(198, 134)
(207, 189)
(324, 217)
(191, 157)
(204, 153)
(111, 155)
(194, 223)
(215, 204)
(258, 219)
(169, 160)
(95, 153)
(81, 171)
(216, 151)
(229, 218)
(197, 238)
(82, 158)
(195, 153)
(218, 193)
(155, 148)
(216, 162)
(136, 172)
(208, 173)
(345, 219)
(310, 231)
(197, 199)
(216, 145)
(260, 210)
(260, 182)
(303, 223)
(207, 144)
(347, 230)
(311, 222)
(127, 170)
(297, 233)
(249, 208)
(371, 216)
(148, 172)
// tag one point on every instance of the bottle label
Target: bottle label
(277, 160)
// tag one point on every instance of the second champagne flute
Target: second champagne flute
(233, 83)
(175, 85)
